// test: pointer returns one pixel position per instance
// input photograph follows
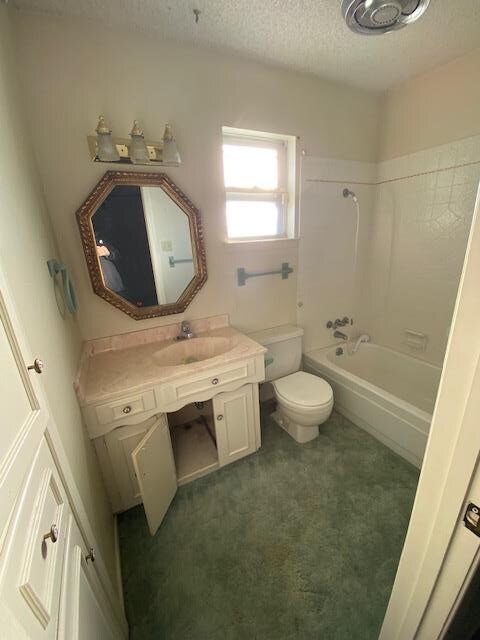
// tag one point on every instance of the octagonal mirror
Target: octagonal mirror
(143, 244)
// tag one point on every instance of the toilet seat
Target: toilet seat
(303, 389)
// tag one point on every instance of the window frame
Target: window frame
(283, 196)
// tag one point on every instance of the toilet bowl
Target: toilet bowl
(304, 402)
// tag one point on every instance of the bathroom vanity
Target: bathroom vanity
(163, 412)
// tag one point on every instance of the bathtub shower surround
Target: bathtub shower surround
(415, 217)
(420, 227)
(329, 285)
(389, 394)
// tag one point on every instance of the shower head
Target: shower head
(349, 194)
(374, 17)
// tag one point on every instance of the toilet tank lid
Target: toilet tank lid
(276, 334)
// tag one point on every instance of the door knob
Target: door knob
(38, 365)
(52, 534)
(220, 417)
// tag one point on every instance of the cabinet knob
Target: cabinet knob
(38, 366)
(91, 555)
(52, 534)
(127, 409)
(220, 417)
(215, 381)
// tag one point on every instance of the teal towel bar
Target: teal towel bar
(172, 261)
(55, 267)
(242, 275)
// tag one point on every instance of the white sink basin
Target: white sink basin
(192, 350)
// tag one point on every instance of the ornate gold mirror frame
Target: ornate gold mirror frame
(110, 180)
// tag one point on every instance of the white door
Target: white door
(84, 612)
(439, 552)
(156, 474)
(24, 411)
(236, 422)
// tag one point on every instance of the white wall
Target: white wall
(73, 70)
(432, 109)
(26, 243)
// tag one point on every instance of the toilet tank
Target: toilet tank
(284, 353)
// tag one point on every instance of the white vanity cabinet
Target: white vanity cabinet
(163, 412)
(139, 464)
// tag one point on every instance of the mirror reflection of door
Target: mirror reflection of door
(168, 232)
(143, 245)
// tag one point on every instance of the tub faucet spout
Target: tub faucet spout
(340, 335)
(363, 338)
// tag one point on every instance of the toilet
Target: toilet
(304, 401)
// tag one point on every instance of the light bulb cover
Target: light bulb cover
(170, 153)
(106, 149)
(137, 149)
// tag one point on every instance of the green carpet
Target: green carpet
(293, 542)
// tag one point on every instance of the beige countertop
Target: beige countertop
(121, 366)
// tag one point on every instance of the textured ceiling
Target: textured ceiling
(308, 35)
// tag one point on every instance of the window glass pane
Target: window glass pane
(248, 167)
(247, 218)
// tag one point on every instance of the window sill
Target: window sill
(277, 243)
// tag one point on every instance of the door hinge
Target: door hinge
(472, 518)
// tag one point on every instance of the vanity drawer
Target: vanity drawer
(118, 411)
(215, 382)
(34, 550)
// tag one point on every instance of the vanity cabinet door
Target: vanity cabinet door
(120, 444)
(236, 423)
(155, 470)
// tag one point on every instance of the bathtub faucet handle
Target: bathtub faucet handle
(340, 322)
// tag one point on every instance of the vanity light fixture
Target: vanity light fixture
(106, 148)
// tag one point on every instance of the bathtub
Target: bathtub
(389, 394)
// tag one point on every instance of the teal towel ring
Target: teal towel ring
(55, 267)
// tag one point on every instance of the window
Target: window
(259, 177)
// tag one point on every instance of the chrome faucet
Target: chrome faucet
(340, 335)
(185, 331)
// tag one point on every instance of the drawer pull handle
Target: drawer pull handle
(91, 555)
(215, 381)
(52, 534)
(127, 409)
(220, 417)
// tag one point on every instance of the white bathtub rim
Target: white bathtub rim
(323, 363)
(369, 345)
